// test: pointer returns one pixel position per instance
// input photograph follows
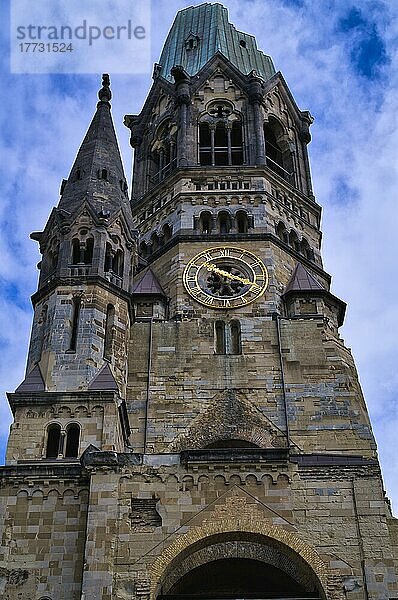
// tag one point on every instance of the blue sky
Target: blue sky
(340, 59)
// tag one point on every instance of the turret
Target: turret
(88, 246)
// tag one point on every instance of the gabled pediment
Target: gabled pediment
(230, 416)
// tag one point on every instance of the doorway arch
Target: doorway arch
(285, 567)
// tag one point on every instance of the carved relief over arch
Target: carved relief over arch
(242, 530)
(230, 415)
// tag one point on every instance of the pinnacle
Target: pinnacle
(97, 175)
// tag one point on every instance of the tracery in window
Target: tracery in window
(220, 136)
(164, 151)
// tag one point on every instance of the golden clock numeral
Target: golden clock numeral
(225, 252)
(209, 301)
(226, 303)
(208, 256)
(191, 279)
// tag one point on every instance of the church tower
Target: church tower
(191, 424)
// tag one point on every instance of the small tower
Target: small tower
(81, 308)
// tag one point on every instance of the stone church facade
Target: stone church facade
(191, 424)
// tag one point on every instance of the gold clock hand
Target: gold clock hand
(244, 280)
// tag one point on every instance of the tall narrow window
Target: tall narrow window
(220, 142)
(277, 152)
(88, 251)
(236, 143)
(109, 324)
(75, 324)
(241, 221)
(53, 441)
(118, 263)
(108, 257)
(235, 343)
(228, 338)
(205, 145)
(205, 222)
(221, 145)
(220, 337)
(72, 441)
(224, 222)
(75, 251)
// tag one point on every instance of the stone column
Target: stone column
(305, 138)
(182, 81)
(256, 98)
(212, 128)
(229, 127)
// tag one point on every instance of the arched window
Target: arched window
(76, 304)
(220, 338)
(166, 232)
(72, 440)
(235, 342)
(155, 242)
(228, 337)
(205, 222)
(109, 324)
(282, 233)
(277, 153)
(53, 441)
(224, 222)
(305, 249)
(88, 251)
(294, 241)
(241, 221)
(164, 151)
(220, 142)
(143, 249)
(108, 257)
(118, 263)
(75, 251)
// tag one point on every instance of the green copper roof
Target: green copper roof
(209, 24)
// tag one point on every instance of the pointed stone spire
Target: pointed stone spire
(97, 175)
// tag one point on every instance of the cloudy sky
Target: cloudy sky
(340, 60)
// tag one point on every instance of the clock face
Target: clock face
(225, 277)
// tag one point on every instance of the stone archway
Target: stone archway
(240, 537)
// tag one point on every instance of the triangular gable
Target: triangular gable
(230, 415)
(147, 284)
(302, 280)
(33, 382)
(104, 380)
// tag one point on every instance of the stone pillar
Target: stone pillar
(212, 128)
(256, 99)
(229, 127)
(182, 81)
(305, 138)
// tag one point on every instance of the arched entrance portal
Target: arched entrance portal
(238, 565)
(230, 578)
